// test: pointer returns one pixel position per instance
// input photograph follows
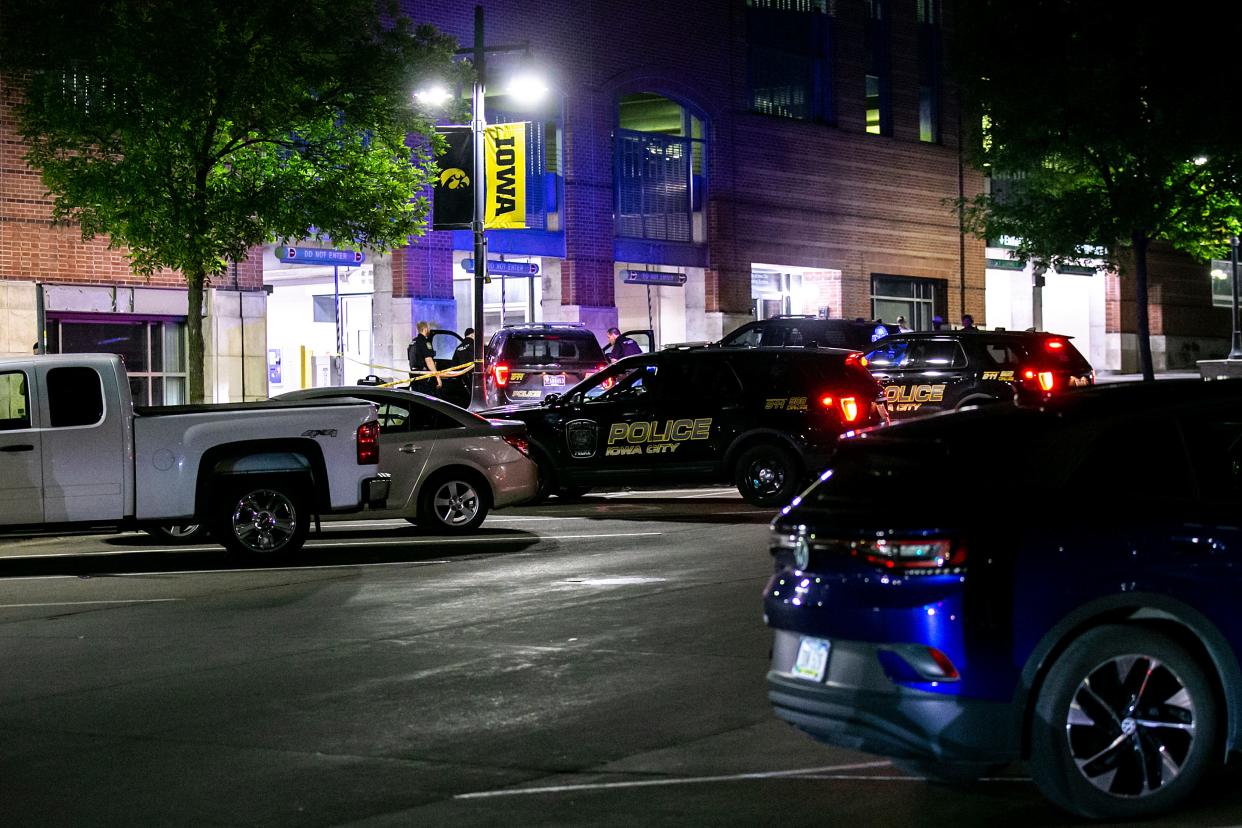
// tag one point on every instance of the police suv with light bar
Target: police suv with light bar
(764, 418)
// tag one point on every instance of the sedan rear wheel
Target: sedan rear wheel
(453, 504)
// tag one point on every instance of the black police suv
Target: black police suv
(932, 371)
(808, 331)
(764, 418)
(956, 608)
(525, 363)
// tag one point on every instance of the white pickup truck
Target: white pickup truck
(75, 452)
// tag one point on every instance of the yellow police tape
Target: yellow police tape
(413, 376)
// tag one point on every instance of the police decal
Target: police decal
(654, 436)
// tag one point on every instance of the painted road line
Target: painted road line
(335, 545)
(89, 603)
(686, 780)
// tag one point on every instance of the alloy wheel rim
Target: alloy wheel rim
(766, 476)
(264, 520)
(1131, 726)
(455, 503)
(182, 530)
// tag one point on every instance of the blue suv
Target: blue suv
(1056, 584)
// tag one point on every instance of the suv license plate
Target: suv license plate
(812, 661)
(553, 379)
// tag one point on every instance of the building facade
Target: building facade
(695, 166)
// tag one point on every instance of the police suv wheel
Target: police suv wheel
(452, 503)
(767, 475)
(1124, 726)
(263, 517)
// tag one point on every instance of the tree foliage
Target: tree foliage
(1106, 126)
(188, 131)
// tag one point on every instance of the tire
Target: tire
(1124, 726)
(767, 475)
(263, 517)
(572, 494)
(179, 533)
(453, 503)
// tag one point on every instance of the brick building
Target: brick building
(777, 156)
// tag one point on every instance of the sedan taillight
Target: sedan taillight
(519, 443)
(368, 443)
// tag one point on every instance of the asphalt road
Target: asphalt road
(592, 664)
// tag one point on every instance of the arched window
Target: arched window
(661, 170)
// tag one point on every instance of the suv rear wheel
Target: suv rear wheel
(767, 474)
(1125, 725)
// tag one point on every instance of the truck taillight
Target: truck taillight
(501, 372)
(851, 411)
(368, 443)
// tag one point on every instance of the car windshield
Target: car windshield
(622, 380)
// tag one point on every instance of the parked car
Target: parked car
(525, 363)
(75, 452)
(1056, 584)
(808, 331)
(926, 372)
(765, 419)
(449, 467)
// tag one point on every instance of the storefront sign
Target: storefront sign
(654, 277)
(319, 256)
(505, 153)
(497, 267)
(452, 205)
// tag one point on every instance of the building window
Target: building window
(660, 171)
(875, 62)
(929, 49)
(914, 299)
(153, 351)
(788, 50)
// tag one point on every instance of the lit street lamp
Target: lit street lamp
(525, 87)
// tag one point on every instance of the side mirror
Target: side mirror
(551, 399)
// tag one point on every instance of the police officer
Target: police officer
(422, 358)
(621, 346)
(465, 351)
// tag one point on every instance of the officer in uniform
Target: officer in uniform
(422, 358)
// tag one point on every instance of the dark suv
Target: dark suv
(926, 372)
(808, 331)
(524, 363)
(764, 418)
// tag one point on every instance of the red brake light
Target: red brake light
(1047, 380)
(501, 373)
(856, 359)
(368, 443)
(946, 666)
(1054, 345)
(599, 368)
(851, 411)
(519, 443)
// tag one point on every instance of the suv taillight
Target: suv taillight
(1045, 380)
(368, 443)
(851, 412)
(501, 372)
(925, 556)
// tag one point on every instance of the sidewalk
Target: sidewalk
(1105, 377)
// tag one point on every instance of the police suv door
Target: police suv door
(694, 409)
(919, 375)
(606, 431)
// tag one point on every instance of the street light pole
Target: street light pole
(1235, 351)
(477, 124)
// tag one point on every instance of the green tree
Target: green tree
(1110, 125)
(188, 131)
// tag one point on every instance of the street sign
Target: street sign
(654, 277)
(498, 267)
(319, 256)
